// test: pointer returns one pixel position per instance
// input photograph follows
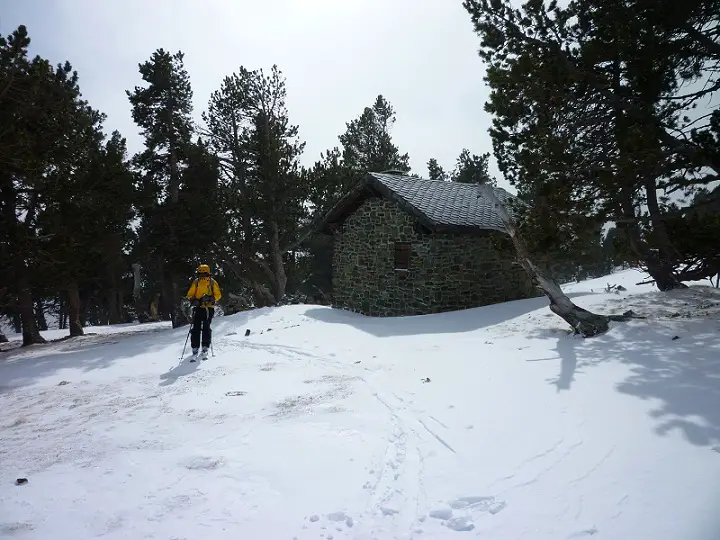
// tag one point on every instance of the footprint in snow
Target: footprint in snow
(16, 527)
(457, 515)
(203, 463)
(336, 519)
(582, 534)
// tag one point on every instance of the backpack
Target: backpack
(212, 288)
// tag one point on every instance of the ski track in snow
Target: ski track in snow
(397, 503)
(398, 492)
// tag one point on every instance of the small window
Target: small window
(402, 256)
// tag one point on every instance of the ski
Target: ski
(199, 356)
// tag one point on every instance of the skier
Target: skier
(203, 293)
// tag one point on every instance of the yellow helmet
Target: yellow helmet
(203, 269)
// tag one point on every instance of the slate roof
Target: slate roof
(441, 206)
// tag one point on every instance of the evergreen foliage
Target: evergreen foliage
(591, 114)
(435, 170)
(604, 114)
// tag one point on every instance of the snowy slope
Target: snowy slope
(488, 423)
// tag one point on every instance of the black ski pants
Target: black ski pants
(201, 323)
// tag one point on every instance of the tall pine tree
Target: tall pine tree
(162, 109)
(249, 129)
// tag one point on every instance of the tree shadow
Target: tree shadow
(450, 322)
(683, 375)
(23, 366)
(695, 301)
(676, 364)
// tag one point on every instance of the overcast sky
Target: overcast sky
(337, 56)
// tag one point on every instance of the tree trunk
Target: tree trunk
(3, 338)
(113, 311)
(75, 307)
(40, 316)
(17, 321)
(85, 303)
(661, 259)
(661, 274)
(262, 295)
(583, 322)
(168, 300)
(62, 314)
(179, 318)
(154, 310)
(114, 315)
(278, 264)
(121, 307)
(31, 334)
(137, 293)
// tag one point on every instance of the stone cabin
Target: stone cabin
(410, 246)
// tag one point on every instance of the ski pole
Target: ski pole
(186, 340)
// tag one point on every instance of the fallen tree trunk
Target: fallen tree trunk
(582, 321)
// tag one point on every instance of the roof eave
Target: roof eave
(467, 229)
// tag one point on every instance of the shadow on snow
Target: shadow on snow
(450, 322)
(681, 375)
(23, 366)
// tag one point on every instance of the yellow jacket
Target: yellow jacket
(206, 290)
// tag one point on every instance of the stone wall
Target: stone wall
(447, 271)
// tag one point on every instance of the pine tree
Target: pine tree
(367, 144)
(472, 169)
(38, 109)
(435, 171)
(279, 190)
(584, 109)
(258, 148)
(115, 213)
(162, 109)
(329, 179)
(71, 202)
(228, 125)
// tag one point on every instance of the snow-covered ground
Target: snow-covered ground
(56, 334)
(490, 423)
